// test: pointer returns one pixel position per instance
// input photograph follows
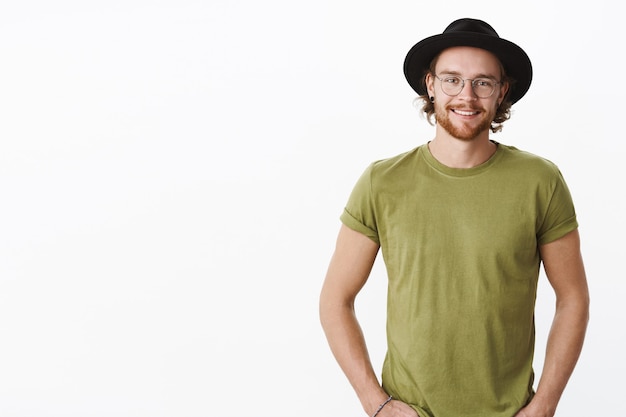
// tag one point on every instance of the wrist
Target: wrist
(374, 401)
(381, 406)
(542, 406)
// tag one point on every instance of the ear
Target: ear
(429, 81)
(504, 88)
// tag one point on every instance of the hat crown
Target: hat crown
(471, 25)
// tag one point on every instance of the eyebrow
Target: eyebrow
(473, 78)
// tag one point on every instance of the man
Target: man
(463, 223)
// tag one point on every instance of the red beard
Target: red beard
(460, 130)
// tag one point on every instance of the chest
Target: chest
(464, 216)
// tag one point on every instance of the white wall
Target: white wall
(172, 172)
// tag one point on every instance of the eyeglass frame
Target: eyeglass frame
(472, 84)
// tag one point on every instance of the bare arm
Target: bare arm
(349, 269)
(565, 271)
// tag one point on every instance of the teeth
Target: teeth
(465, 113)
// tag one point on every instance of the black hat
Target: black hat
(476, 33)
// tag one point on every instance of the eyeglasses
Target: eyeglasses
(452, 85)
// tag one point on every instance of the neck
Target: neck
(460, 153)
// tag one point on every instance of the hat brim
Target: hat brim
(515, 61)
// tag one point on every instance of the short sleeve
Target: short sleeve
(359, 213)
(560, 215)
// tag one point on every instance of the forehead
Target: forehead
(468, 61)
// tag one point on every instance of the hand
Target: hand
(397, 408)
(532, 411)
(522, 413)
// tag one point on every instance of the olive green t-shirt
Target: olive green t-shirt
(460, 248)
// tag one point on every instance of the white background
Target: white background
(172, 172)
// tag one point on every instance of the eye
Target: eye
(483, 82)
(452, 80)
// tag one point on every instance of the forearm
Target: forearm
(564, 345)
(349, 348)
(565, 270)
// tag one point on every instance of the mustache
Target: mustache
(464, 108)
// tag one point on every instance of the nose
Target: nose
(467, 92)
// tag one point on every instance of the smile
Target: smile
(465, 112)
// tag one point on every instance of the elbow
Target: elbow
(584, 306)
(332, 307)
(576, 307)
(324, 308)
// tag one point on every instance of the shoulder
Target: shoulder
(531, 164)
(383, 172)
(395, 165)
